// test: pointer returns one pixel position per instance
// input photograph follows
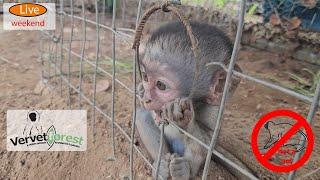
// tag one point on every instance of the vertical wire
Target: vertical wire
(95, 71)
(123, 10)
(52, 60)
(312, 112)
(134, 111)
(41, 55)
(69, 55)
(103, 11)
(138, 13)
(84, 39)
(134, 97)
(114, 9)
(226, 89)
(61, 43)
(54, 46)
(49, 60)
(160, 149)
(55, 58)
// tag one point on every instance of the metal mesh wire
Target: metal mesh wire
(61, 51)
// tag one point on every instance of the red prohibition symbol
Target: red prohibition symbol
(300, 123)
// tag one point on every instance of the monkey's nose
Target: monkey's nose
(147, 101)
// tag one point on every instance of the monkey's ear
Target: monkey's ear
(217, 84)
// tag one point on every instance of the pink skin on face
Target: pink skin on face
(160, 85)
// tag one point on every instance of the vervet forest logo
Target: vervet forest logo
(29, 16)
(43, 130)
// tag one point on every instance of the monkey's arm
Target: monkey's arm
(181, 112)
(194, 152)
(187, 165)
(195, 124)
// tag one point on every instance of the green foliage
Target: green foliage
(219, 3)
(214, 3)
(305, 86)
(121, 64)
(252, 9)
(193, 1)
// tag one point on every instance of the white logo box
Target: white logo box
(46, 130)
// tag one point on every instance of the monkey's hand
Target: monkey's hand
(163, 168)
(179, 168)
(180, 111)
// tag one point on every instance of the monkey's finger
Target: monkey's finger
(164, 111)
(176, 167)
(164, 172)
(140, 90)
(161, 113)
(188, 114)
(188, 104)
(164, 167)
(167, 157)
(173, 156)
(183, 104)
(177, 160)
(178, 173)
(177, 100)
(177, 111)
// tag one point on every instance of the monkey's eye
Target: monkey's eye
(161, 86)
(144, 76)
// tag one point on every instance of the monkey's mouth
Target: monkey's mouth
(157, 111)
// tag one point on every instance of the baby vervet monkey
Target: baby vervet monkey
(167, 71)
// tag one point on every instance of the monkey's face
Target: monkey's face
(160, 85)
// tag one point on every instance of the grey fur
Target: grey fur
(172, 38)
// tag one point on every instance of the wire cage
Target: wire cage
(64, 54)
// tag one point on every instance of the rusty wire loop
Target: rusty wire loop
(167, 6)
